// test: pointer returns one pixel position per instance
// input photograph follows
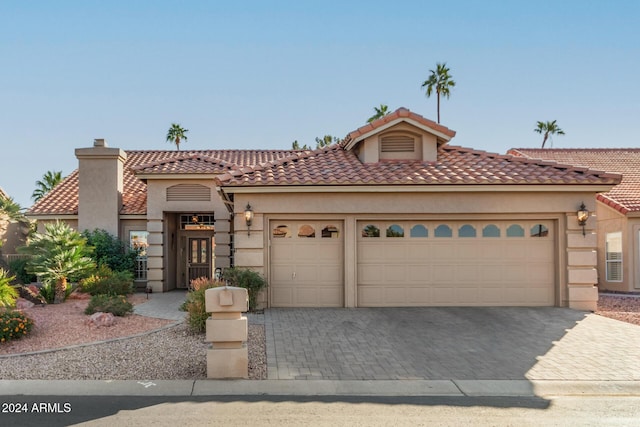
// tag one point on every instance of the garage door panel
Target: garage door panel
(306, 269)
(504, 266)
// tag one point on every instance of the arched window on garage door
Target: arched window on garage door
(443, 230)
(419, 230)
(370, 231)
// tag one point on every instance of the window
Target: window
(370, 231)
(419, 231)
(395, 231)
(138, 241)
(306, 231)
(515, 230)
(443, 230)
(281, 232)
(330, 232)
(491, 230)
(539, 230)
(197, 222)
(467, 231)
(613, 260)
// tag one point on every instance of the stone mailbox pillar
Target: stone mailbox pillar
(227, 331)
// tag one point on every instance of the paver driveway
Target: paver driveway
(450, 343)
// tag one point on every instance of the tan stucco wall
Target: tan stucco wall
(161, 268)
(611, 221)
(576, 273)
(100, 171)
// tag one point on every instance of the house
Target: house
(617, 211)
(13, 231)
(392, 216)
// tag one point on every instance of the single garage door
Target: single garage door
(306, 264)
(448, 263)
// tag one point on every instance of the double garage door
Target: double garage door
(415, 263)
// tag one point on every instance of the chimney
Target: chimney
(100, 182)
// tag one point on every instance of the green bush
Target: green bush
(109, 251)
(115, 304)
(19, 268)
(108, 282)
(14, 325)
(48, 292)
(252, 281)
(8, 294)
(195, 307)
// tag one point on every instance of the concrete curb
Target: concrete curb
(451, 388)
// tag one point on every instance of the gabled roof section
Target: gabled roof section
(63, 199)
(624, 197)
(336, 165)
(402, 114)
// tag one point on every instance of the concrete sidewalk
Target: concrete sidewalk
(460, 388)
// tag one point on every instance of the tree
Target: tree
(295, 145)
(439, 81)
(547, 129)
(11, 209)
(48, 182)
(326, 140)
(57, 255)
(175, 134)
(379, 112)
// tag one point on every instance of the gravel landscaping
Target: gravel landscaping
(171, 351)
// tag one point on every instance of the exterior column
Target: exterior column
(582, 274)
(155, 256)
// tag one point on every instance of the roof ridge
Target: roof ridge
(194, 156)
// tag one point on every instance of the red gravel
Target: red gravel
(620, 307)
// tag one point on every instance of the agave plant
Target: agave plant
(57, 255)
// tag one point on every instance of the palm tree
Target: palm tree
(380, 112)
(440, 81)
(49, 180)
(548, 129)
(56, 255)
(176, 133)
(11, 209)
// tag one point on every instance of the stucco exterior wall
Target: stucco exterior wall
(610, 221)
(576, 274)
(163, 229)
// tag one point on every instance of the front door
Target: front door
(198, 258)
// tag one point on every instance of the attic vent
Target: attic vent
(188, 193)
(397, 144)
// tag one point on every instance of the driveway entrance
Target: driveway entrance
(442, 343)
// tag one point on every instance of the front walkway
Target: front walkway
(164, 305)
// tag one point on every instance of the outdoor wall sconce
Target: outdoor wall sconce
(583, 216)
(248, 218)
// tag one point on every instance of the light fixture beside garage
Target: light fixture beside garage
(583, 216)
(248, 218)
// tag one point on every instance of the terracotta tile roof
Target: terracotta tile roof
(456, 165)
(400, 113)
(63, 200)
(624, 197)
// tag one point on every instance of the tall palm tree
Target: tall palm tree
(547, 129)
(176, 133)
(11, 209)
(49, 180)
(380, 112)
(439, 81)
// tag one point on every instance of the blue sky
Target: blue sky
(260, 74)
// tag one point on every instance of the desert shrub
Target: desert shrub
(110, 251)
(48, 291)
(115, 304)
(19, 268)
(252, 281)
(14, 325)
(8, 294)
(108, 282)
(194, 304)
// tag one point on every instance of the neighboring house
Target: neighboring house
(393, 216)
(617, 211)
(13, 233)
